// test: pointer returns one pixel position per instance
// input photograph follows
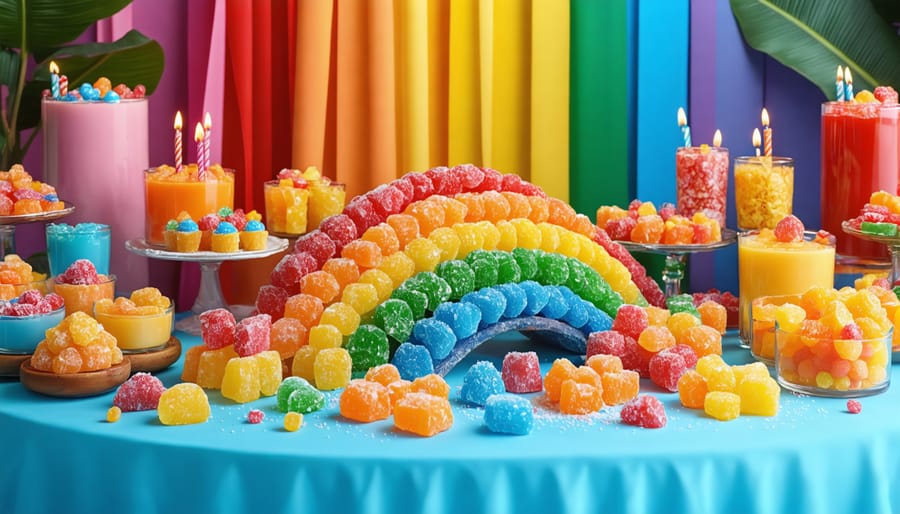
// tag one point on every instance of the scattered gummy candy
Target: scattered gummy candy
(293, 421)
(113, 414)
(140, 392)
(854, 407)
(644, 411)
(255, 416)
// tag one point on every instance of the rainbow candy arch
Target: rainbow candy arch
(418, 223)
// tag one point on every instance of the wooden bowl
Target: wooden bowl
(10, 364)
(156, 360)
(88, 383)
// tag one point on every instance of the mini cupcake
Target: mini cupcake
(207, 225)
(254, 236)
(225, 238)
(170, 235)
(187, 237)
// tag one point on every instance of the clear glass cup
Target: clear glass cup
(286, 208)
(701, 181)
(138, 332)
(325, 200)
(168, 193)
(81, 297)
(762, 334)
(67, 244)
(763, 190)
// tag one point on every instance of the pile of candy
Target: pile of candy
(30, 303)
(20, 194)
(298, 201)
(642, 223)
(100, 91)
(881, 216)
(726, 299)
(225, 231)
(725, 392)
(81, 286)
(147, 301)
(77, 344)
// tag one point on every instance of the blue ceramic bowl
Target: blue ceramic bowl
(21, 334)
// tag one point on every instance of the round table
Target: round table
(61, 455)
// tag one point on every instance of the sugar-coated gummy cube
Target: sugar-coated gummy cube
(490, 302)
(287, 335)
(217, 328)
(631, 320)
(435, 335)
(317, 244)
(508, 414)
(665, 370)
(435, 288)
(516, 300)
(556, 306)
(270, 371)
(332, 368)
(722, 405)
(368, 347)
(140, 392)
(703, 340)
(598, 320)
(345, 271)
(366, 254)
(692, 389)
(290, 269)
(620, 386)
(458, 275)
(424, 253)
(293, 421)
(609, 342)
(211, 367)
(604, 363)
(527, 262)
(365, 401)
(655, 339)
(251, 335)
(342, 316)
(385, 237)
(321, 284)
(423, 414)
(713, 314)
(462, 318)
(644, 411)
(183, 404)
(561, 370)
(759, 396)
(579, 398)
(719, 375)
(271, 300)
(521, 372)
(398, 389)
(413, 361)
(416, 300)
(362, 212)
(446, 239)
(325, 336)
(552, 269)
(382, 282)
(384, 374)
(433, 384)
(241, 380)
(481, 381)
(306, 308)
(507, 268)
(191, 363)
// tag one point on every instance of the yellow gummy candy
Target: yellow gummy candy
(447, 240)
(183, 404)
(302, 365)
(211, 368)
(332, 369)
(293, 421)
(398, 267)
(241, 380)
(363, 298)
(325, 336)
(382, 282)
(759, 395)
(424, 253)
(342, 316)
(269, 365)
(113, 414)
(722, 406)
(508, 237)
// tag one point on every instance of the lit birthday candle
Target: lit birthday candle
(848, 85)
(767, 133)
(717, 138)
(839, 85)
(207, 125)
(178, 143)
(198, 138)
(54, 80)
(685, 128)
(756, 140)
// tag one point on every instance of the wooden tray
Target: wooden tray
(89, 383)
(156, 360)
(9, 364)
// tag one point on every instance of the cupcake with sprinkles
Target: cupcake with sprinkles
(225, 238)
(187, 236)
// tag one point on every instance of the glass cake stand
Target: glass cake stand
(210, 295)
(892, 243)
(676, 256)
(8, 225)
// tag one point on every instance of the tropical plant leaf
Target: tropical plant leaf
(813, 37)
(9, 70)
(32, 25)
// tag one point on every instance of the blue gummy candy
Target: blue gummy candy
(51, 197)
(537, 297)
(490, 302)
(556, 306)
(516, 300)
(111, 97)
(463, 318)
(413, 361)
(579, 313)
(94, 94)
(481, 381)
(85, 91)
(598, 320)
(508, 414)
(435, 335)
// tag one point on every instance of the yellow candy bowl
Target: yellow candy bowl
(138, 332)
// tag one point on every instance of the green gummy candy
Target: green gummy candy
(552, 269)
(368, 347)
(285, 389)
(682, 303)
(507, 268)
(527, 262)
(479, 255)
(880, 229)
(395, 317)
(305, 399)
(435, 288)
(459, 276)
(897, 291)
(487, 273)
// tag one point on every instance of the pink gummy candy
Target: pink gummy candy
(608, 342)
(470, 176)
(217, 328)
(80, 272)
(406, 189)
(237, 218)
(291, 268)
(522, 372)
(140, 392)
(686, 352)
(317, 244)
(27, 194)
(362, 212)
(630, 320)
(644, 411)
(387, 200)
(340, 229)
(252, 335)
(31, 297)
(54, 300)
(665, 370)
(270, 300)
(493, 181)
(255, 416)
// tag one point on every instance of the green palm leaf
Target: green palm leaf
(813, 37)
(35, 25)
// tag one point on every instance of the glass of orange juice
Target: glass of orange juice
(168, 192)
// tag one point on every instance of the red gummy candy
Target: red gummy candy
(521, 372)
(445, 182)
(512, 183)
(702, 234)
(252, 335)
(666, 368)
(140, 392)
(789, 229)
(422, 185)
(23, 309)
(854, 407)
(43, 307)
(469, 175)
(362, 212)
(493, 181)
(851, 331)
(291, 268)
(270, 300)
(386, 200)
(631, 356)
(630, 320)
(27, 194)
(666, 210)
(217, 328)
(31, 297)
(686, 352)
(648, 287)
(255, 416)
(140, 90)
(406, 189)
(529, 189)
(209, 222)
(620, 229)
(54, 300)
(607, 342)
(6, 187)
(644, 411)
(237, 218)
(317, 244)
(886, 95)
(340, 229)
(80, 272)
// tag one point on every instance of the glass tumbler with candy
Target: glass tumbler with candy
(701, 175)
(763, 184)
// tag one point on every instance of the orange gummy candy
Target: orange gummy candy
(366, 254)
(648, 229)
(560, 213)
(287, 335)
(578, 398)
(423, 414)
(320, 284)
(561, 370)
(405, 226)
(385, 237)
(602, 363)
(496, 206)
(655, 339)
(620, 387)
(713, 314)
(429, 215)
(540, 210)
(433, 384)
(384, 374)
(692, 389)
(703, 340)
(365, 401)
(474, 206)
(192, 362)
(304, 307)
(398, 389)
(344, 270)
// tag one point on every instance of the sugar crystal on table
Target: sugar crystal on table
(140, 392)
(368, 347)
(241, 380)
(332, 368)
(365, 401)
(435, 335)
(183, 404)
(521, 372)
(423, 414)
(556, 306)
(413, 361)
(516, 300)
(481, 381)
(251, 335)
(463, 318)
(490, 302)
(416, 300)
(432, 384)
(217, 328)
(395, 318)
(458, 275)
(644, 411)
(508, 414)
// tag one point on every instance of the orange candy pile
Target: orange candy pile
(586, 389)
(725, 392)
(147, 301)
(77, 344)
(642, 223)
(20, 194)
(16, 277)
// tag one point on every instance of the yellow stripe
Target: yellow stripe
(412, 85)
(486, 59)
(464, 118)
(438, 80)
(511, 65)
(550, 97)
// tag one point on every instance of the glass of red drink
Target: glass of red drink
(701, 180)
(860, 155)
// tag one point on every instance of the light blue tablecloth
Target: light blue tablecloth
(61, 456)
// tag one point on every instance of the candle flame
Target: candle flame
(207, 121)
(199, 133)
(840, 74)
(53, 67)
(178, 121)
(765, 117)
(717, 138)
(757, 139)
(847, 76)
(682, 117)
